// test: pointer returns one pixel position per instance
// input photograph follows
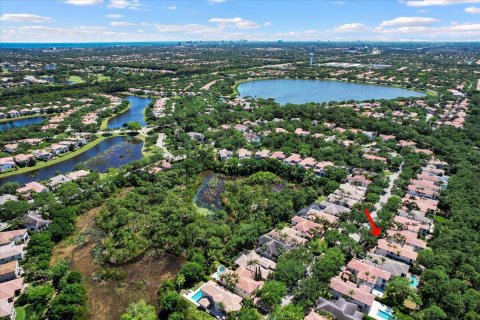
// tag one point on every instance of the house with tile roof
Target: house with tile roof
(360, 296)
(306, 228)
(217, 299)
(7, 163)
(340, 308)
(404, 253)
(368, 274)
(9, 271)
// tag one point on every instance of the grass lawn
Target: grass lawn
(22, 313)
(101, 77)
(321, 199)
(75, 79)
(439, 219)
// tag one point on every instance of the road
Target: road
(388, 192)
(161, 137)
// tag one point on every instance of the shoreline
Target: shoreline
(428, 93)
(104, 123)
(42, 164)
(27, 117)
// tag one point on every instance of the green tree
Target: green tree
(432, 313)
(168, 301)
(271, 293)
(139, 311)
(39, 296)
(398, 290)
(193, 272)
(288, 312)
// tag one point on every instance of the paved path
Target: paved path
(388, 192)
(161, 137)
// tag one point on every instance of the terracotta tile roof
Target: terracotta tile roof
(361, 267)
(7, 236)
(8, 267)
(361, 293)
(231, 301)
(405, 251)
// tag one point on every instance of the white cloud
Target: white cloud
(84, 2)
(351, 27)
(23, 17)
(114, 16)
(122, 24)
(185, 28)
(409, 21)
(123, 4)
(237, 23)
(425, 3)
(472, 10)
(172, 8)
(216, 1)
(267, 24)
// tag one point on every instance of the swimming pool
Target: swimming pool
(220, 270)
(197, 296)
(385, 315)
(414, 281)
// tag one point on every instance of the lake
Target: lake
(20, 123)
(110, 153)
(136, 112)
(304, 91)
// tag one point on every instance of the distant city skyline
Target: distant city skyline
(202, 20)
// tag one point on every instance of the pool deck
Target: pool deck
(190, 294)
(376, 306)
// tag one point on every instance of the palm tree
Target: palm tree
(230, 280)
(367, 275)
(383, 259)
(180, 281)
(350, 294)
(252, 262)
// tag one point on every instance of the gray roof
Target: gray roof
(415, 215)
(270, 247)
(325, 206)
(341, 309)
(396, 268)
(54, 181)
(35, 220)
(7, 197)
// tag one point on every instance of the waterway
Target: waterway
(136, 113)
(304, 91)
(17, 123)
(109, 153)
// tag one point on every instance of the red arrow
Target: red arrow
(375, 230)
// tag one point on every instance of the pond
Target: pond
(136, 112)
(109, 153)
(17, 123)
(304, 91)
(209, 193)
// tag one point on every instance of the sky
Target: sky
(289, 20)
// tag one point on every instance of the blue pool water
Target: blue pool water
(220, 270)
(385, 315)
(414, 281)
(197, 296)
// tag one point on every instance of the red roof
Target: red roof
(361, 293)
(362, 267)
